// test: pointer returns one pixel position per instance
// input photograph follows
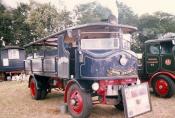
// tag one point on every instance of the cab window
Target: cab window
(166, 47)
(154, 49)
(127, 41)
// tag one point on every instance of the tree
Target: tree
(5, 25)
(13, 29)
(20, 29)
(64, 19)
(91, 12)
(126, 15)
(154, 26)
(44, 19)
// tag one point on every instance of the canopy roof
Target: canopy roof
(72, 31)
(159, 40)
(12, 47)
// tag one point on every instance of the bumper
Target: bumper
(110, 90)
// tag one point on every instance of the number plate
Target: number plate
(112, 90)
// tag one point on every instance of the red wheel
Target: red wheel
(32, 88)
(79, 102)
(163, 86)
(76, 101)
(35, 93)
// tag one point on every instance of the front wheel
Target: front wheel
(163, 86)
(79, 102)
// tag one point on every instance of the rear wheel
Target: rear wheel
(35, 93)
(79, 102)
(43, 93)
(163, 86)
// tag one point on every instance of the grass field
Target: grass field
(16, 102)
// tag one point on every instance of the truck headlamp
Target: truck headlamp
(95, 86)
(123, 60)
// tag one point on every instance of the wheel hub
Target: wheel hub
(76, 101)
(162, 87)
(73, 102)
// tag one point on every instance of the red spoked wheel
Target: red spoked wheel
(32, 88)
(76, 101)
(163, 86)
(79, 102)
(35, 93)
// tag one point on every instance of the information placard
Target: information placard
(136, 100)
(5, 62)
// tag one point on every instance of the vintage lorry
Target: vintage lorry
(91, 63)
(158, 66)
(11, 62)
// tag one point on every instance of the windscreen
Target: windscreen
(127, 38)
(100, 44)
(13, 54)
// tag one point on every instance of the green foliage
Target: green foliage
(64, 19)
(5, 24)
(91, 12)
(13, 28)
(44, 19)
(27, 23)
(153, 26)
(126, 15)
(21, 30)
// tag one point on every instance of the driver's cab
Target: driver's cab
(159, 55)
(100, 47)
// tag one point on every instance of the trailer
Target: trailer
(11, 62)
(91, 63)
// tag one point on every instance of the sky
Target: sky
(150, 6)
(138, 6)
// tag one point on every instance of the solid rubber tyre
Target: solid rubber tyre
(163, 86)
(43, 93)
(35, 93)
(82, 105)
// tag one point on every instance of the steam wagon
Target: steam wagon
(158, 66)
(11, 61)
(91, 63)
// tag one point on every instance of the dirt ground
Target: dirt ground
(16, 102)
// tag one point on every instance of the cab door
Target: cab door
(167, 58)
(152, 58)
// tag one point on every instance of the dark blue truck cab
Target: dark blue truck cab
(11, 61)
